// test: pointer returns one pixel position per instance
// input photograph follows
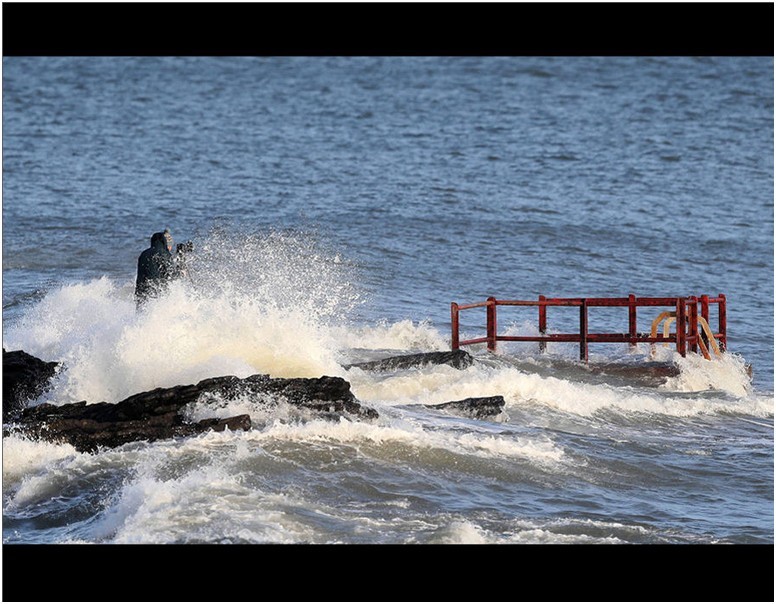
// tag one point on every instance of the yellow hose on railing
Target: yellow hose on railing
(671, 316)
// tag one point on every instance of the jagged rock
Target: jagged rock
(159, 413)
(476, 408)
(25, 378)
(87, 435)
(460, 359)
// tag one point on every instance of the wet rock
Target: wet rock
(159, 413)
(87, 435)
(25, 378)
(460, 359)
(651, 369)
(476, 408)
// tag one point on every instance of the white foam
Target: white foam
(537, 449)
(259, 305)
(262, 409)
(23, 457)
(433, 385)
(460, 532)
(557, 531)
(401, 336)
(727, 373)
(208, 504)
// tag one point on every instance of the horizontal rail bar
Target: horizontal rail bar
(547, 302)
(474, 305)
(474, 341)
(623, 302)
(575, 337)
(612, 338)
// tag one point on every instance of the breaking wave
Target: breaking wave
(252, 304)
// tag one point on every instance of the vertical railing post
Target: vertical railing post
(583, 330)
(722, 322)
(542, 323)
(632, 329)
(705, 307)
(491, 313)
(681, 326)
(692, 319)
(454, 325)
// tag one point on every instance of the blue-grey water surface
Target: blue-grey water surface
(338, 206)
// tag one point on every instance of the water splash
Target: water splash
(251, 303)
(275, 270)
(23, 457)
(728, 374)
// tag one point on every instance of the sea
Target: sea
(337, 206)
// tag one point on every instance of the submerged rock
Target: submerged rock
(651, 369)
(25, 378)
(460, 359)
(476, 408)
(159, 413)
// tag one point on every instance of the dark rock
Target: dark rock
(651, 369)
(88, 435)
(25, 378)
(476, 408)
(159, 413)
(460, 359)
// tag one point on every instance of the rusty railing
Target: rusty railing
(686, 335)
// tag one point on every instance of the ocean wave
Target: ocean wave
(23, 457)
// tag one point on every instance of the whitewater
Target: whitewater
(562, 425)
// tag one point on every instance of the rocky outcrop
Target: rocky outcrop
(160, 413)
(25, 378)
(476, 408)
(460, 359)
(89, 427)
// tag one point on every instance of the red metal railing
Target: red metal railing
(686, 334)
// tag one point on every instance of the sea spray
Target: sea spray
(289, 269)
(250, 303)
(727, 373)
(401, 337)
(23, 457)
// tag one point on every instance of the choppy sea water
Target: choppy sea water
(337, 207)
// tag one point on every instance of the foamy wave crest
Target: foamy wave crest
(252, 304)
(203, 490)
(538, 449)
(23, 457)
(587, 399)
(207, 505)
(72, 317)
(534, 532)
(263, 409)
(460, 532)
(440, 384)
(728, 373)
